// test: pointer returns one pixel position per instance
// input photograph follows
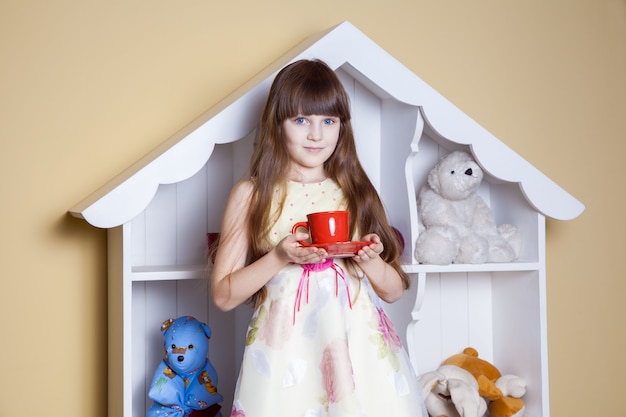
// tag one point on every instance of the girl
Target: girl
(319, 343)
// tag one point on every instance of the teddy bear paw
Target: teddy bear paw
(437, 246)
(473, 249)
(507, 407)
(512, 385)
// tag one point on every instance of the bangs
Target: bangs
(318, 91)
(321, 101)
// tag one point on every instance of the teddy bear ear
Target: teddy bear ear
(429, 380)
(433, 180)
(206, 329)
(466, 400)
(470, 351)
(166, 325)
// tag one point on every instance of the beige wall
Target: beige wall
(88, 87)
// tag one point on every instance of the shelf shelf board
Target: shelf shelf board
(487, 267)
(176, 272)
(168, 272)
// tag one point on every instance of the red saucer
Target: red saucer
(341, 249)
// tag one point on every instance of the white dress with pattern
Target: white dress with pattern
(321, 344)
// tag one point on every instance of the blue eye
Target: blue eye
(300, 120)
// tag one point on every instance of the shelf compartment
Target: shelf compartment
(497, 312)
(153, 302)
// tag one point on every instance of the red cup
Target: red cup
(325, 227)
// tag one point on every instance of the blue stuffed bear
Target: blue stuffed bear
(185, 382)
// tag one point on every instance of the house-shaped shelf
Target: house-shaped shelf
(158, 213)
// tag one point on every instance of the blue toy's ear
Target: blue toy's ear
(166, 325)
(206, 329)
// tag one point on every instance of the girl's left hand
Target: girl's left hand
(371, 251)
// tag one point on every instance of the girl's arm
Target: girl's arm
(232, 281)
(384, 278)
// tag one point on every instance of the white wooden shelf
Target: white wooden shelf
(159, 211)
(168, 272)
(494, 267)
(183, 272)
(178, 272)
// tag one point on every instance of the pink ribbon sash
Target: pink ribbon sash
(304, 282)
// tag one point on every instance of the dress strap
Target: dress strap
(305, 278)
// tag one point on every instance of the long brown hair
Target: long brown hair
(311, 87)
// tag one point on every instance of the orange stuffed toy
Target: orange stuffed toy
(450, 392)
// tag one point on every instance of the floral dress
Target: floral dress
(321, 345)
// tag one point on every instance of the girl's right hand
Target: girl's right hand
(292, 252)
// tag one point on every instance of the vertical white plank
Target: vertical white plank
(366, 113)
(138, 373)
(161, 227)
(480, 314)
(241, 154)
(191, 219)
(454, 313)
(366, 124)
(399, 125)
(518, 338)
(192, 299)
(517, 328)
(138, 240)
(427, 332)
(218, 185)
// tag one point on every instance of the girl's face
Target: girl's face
(310, 141)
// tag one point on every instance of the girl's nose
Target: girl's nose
(315, 132)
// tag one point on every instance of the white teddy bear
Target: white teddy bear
(456, 225)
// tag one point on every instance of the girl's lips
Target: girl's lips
(313, 149)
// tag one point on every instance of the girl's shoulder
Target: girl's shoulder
(241, 192)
